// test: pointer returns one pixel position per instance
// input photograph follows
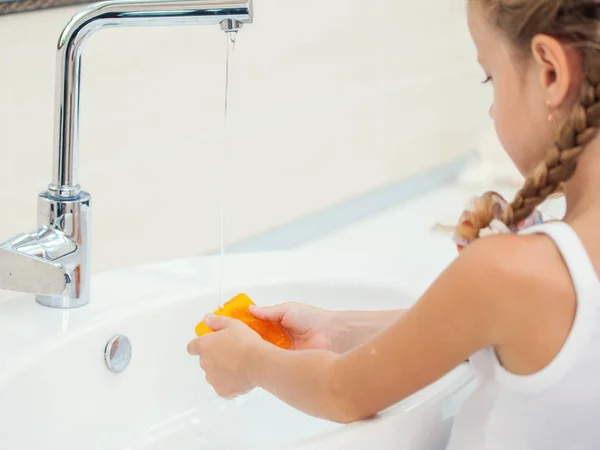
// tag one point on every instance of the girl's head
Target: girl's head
(543, 59)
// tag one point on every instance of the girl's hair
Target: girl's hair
(574, 23)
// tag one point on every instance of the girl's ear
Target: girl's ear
(558, 67)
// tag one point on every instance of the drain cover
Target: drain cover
(117, 353)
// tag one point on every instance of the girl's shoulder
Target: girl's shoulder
(527, 287)
(519, 268)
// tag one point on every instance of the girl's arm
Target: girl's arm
(350, 329)
(469, 307)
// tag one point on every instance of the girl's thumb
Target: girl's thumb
(271, 313)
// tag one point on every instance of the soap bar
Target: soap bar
(238, 308)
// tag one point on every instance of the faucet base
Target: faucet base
(60, 302)
(69, 220)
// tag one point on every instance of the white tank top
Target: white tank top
(557, 408)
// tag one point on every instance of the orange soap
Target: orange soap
(238, 308)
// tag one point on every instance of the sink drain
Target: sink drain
(117, 353)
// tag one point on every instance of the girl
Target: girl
(522, 304)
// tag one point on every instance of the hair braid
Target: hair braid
(561, 161)
(580, 127)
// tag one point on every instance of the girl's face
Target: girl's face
(519, 111)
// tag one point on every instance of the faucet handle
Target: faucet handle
(26, 263)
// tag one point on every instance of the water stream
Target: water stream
(230, 38)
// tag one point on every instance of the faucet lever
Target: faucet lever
(26, 264)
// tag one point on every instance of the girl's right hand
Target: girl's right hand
(308, 327)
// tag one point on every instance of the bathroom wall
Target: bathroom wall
(329, 99)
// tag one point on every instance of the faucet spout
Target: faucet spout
(112, 14)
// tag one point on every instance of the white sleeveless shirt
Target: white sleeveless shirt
(557, 408)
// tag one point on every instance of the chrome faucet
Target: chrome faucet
(53, 262)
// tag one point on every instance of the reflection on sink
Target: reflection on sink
(57, 393)
(255, 421)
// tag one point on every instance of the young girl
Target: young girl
(522, 303)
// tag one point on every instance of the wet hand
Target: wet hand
(226, 354)
(308, 327)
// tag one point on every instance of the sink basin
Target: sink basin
(56, 391)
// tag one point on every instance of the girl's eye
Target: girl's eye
(487, 80)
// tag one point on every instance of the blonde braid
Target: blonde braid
(560, 163)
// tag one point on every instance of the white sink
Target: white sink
(56, 391)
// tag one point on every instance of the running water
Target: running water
(230, 38)
(225, 406)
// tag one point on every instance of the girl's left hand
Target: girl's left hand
(225, 355)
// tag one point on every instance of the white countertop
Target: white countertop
(408, 229)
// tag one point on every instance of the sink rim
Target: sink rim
(191, 276)
(121, 293)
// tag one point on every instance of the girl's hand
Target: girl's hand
(225, 355)
(308, 327)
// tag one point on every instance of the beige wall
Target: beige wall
(329, 100)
